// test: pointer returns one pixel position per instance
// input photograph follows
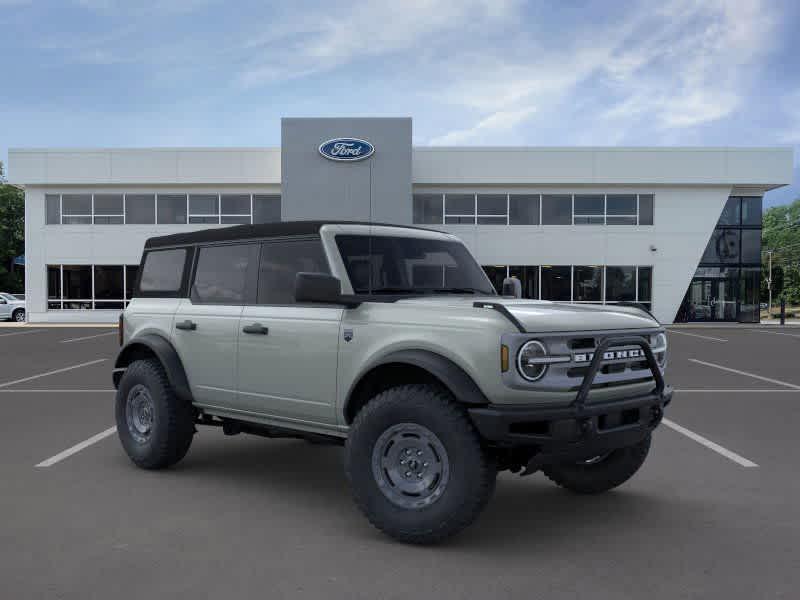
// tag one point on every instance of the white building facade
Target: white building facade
(677, 229)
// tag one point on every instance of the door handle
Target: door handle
(256, 328)
(186, 325)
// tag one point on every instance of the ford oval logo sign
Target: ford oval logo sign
(346, 149)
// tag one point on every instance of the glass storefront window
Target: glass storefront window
(751, 211)
(587, 284)
(645, 291)
(749, 295)
(620, 284)
(730, 213)
(723, 247)
(556, 283)
(751, 246)
(496, 274)
(529, 278)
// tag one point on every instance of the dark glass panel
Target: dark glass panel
(556, 282)
(203, 204)
(54, 282)
(78, 282)
(108, 204)
(731, 213)
(523, 209)
(108, 282)
(131, 271)
(646, 209)
(557, 209)
(587, 284)
(496, 274)
(221, 273)
(529, 278)
(428, 209)
(235, 204)
(266, 208)
(172, 208)
(751, 211)
(53, 209)
(749, 295)
(140, 209)
(280, 264)
(76, 204)
(723, 247)
(645, 284)
(492, 204)
(621, 204)
(620, 284)
(751, 245)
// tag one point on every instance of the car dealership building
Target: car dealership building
(677, 229)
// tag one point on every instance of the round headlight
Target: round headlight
(526, 360)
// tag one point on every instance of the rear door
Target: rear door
(288, 351)
(205, 329)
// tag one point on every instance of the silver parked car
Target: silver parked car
(12, 307)
(392, 342)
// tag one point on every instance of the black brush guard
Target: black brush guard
(578, 431)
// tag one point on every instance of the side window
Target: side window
(163, 271)
(221, 274)
(281, 262)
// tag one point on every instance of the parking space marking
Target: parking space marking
(697, 335)
(794, 335)
(22, 332)
(87, 337)
(56, 371)
(730, 455)
(77, 447)
(753, 375)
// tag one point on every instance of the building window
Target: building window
(492, 209)
(523, 209)
(109, 209)
(557, 209)
(528, 276)
(589, 209)
(620, 284)
(557, 283)
(140, 209)
(204, 208)
(644, 285)
(723, 247)
(53, 209)
(621, 209)
(496, 274)
(751, 211)
(87, 287)
(646, 209)
(587, 284)
(171, 209)
(235, 209)
(459, 209)
(428, 209)
(266, 208)
(76, 209)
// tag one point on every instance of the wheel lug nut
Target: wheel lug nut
(408, 473)
(402, 462)
(424, 464)
(419, 452)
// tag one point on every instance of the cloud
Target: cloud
(496, 122)
(682, 65)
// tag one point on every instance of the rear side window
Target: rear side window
(221, 273)
(281, 262)
(163, 271)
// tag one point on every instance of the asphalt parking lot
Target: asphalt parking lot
(713, 513)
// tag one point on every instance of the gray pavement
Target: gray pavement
(246, 517)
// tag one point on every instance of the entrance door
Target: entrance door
(711, 300)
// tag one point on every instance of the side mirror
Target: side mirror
(320, 287)
(512, 287)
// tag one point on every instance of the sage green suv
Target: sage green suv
(392, 342)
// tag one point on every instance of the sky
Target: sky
(108, 73)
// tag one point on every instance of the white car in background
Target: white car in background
(12, 308)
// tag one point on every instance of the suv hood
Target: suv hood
(544, 316)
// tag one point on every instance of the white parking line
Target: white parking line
(745, 373)
(739, 460)
(22, 332)
(77, 448)
(697, 335)
(87, 337)
(24, 379)
(794, 335)
(27, 391)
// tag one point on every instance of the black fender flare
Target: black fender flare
(452, 376)
(166, 354)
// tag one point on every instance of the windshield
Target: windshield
(412, 265)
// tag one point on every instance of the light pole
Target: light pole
(769, 286)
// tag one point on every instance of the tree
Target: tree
(12, 234)
(781, 235)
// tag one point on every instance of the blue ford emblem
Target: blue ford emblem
(346, 149)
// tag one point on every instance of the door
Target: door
(205, 329)
(712, 300)
(288, 351)
(5, 308)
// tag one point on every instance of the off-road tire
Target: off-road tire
(18, 315)
(172, 426)
(614, 470)
(472, 473)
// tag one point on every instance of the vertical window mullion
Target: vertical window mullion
(573, 213)
(124, 209)
(155, 216)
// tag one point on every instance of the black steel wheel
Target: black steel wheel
(416, 466)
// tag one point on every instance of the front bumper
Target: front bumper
(572, 432)
(579, 430)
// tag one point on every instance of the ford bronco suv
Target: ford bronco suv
(391, 341)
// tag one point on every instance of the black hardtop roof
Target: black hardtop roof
(249, 232)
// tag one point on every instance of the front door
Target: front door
(206, 325)
(711, 300)
(287, 351)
